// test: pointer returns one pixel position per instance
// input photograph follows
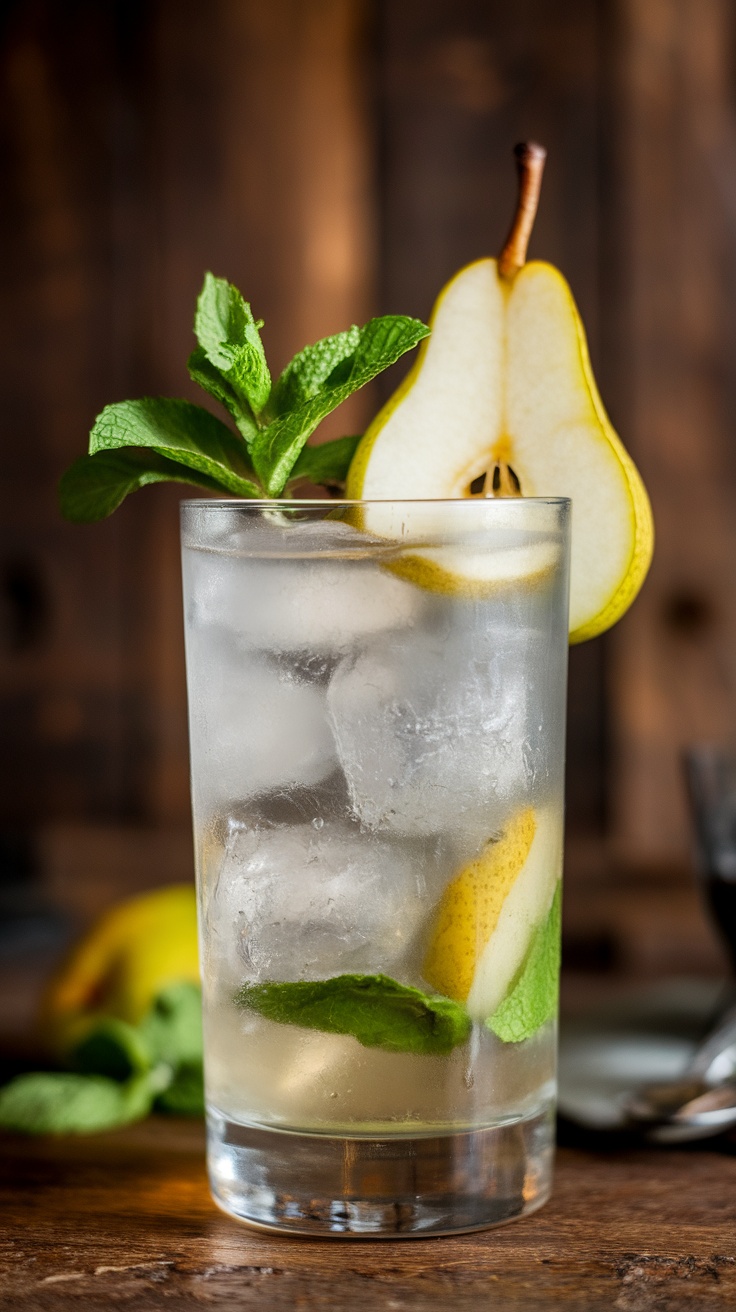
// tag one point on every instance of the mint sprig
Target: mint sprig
(94, 486)
(158, 439)
(310, 369)
(533, 998)
(184, 1096)
(230, 341)
(208, 377)
(375, 1009)
(326, 464)
(319, 379)
(181, 432)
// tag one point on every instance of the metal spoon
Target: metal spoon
(702, 1102)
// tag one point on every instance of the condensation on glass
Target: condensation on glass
(376, 698)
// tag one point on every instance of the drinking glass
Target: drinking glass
(710, 773)
(377, 717)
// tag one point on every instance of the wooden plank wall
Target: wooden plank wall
(336, 158)
(142, 144)
(72, 720)
(673, 141)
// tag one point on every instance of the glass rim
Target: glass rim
(314, 503)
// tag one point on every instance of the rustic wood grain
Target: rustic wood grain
(674, 209)
(125, 1219)
(142, 144)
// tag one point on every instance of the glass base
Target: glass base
(392, 1187)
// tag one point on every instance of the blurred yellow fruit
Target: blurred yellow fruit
(128, 956)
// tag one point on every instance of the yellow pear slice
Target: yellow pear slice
(504, 383)
(489, 912)
(465, 568)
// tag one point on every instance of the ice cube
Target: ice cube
(253, 728)
(297, 604)
(432, 734)
(275, 531)
(310, 901)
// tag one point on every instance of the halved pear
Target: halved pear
(502, 393)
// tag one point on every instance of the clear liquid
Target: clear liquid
(262, 1073)
(356, 740)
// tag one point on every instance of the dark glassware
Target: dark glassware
(711, 780)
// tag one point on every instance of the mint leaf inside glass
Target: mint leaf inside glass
(533, 998)
(375, 1009)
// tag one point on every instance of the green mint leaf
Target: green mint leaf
(73, 1104)
(172, 1030)
(327, 463)
(376, 346)
(533, 998)
(185, 1094)
(112, 1048)
(376, 1010)
(94, 486)
(310, 369)
(180, 431)
(228, 334)
(208, 377)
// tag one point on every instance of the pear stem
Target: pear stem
(530, 159)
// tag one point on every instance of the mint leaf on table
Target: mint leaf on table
(228, 334)
(94, 486)
(121, 1072)
(184, 1096)
(169, 1033)
(533, 998)
(113, 1048)
(180, 431)
(327, 463)
(73, 1104)
(305, 393)
(376, 1010)
(172, 1029)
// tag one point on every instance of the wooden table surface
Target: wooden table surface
(126, 1220)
